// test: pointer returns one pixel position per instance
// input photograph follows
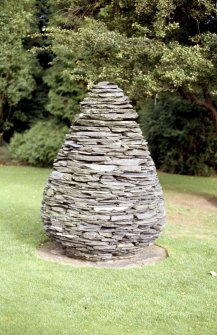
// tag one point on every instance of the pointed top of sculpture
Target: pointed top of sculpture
(107, 97)
(106, 84)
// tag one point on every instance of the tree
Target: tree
(17, 65)
(149, 47)
(64, 95)
(40, 122)
(180, 135)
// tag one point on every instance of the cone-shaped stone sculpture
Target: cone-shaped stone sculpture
(103, 199)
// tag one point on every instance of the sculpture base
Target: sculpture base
(148, 256)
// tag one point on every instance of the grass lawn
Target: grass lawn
(178, 296)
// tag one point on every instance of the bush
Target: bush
(180, 135)
(39, 145)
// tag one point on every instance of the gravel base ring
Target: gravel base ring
(151, 255)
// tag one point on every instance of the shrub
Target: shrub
(180, 135)
(39, 145)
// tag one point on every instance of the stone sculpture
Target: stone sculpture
(103, 199)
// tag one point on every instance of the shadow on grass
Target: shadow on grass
(213, 201)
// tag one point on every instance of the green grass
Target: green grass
(38, 297)
(200, 185)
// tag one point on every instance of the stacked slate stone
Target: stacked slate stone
(103, 199)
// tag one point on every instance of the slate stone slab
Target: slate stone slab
(103, 200)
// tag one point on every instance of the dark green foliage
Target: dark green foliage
(180, 135)
(64, 96)
(29, 111)
(39, 145)
(17, 66)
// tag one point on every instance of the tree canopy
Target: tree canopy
(156, 50)
(16, 64)
(150, 47)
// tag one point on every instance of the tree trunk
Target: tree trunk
(206, 103)
(1, 119)
(213, 111)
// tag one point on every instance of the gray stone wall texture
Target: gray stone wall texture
(103, 199)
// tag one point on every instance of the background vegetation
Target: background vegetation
(162, 53)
